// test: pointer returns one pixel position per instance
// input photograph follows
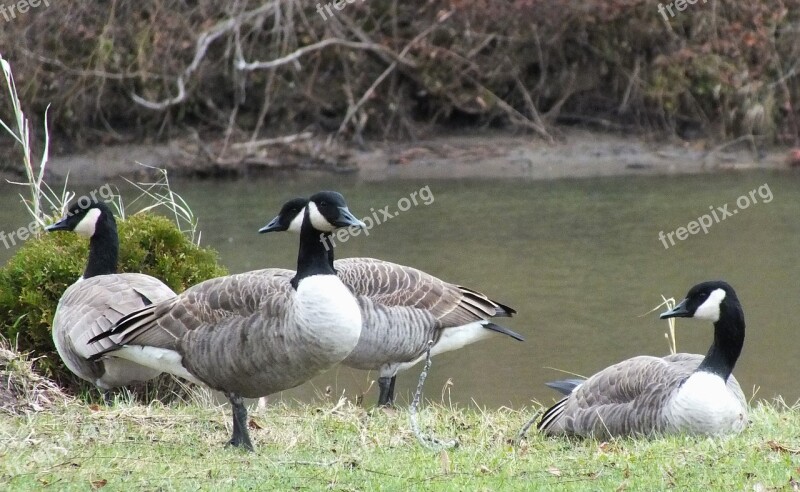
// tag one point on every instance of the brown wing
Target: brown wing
(207, 303)
(391, 284)
(624, 399)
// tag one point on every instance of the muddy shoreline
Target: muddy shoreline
(467, 155)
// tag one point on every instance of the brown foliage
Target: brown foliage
(722, 68)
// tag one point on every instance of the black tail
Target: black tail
(125, 322)
(503, 311)
(552, 415)
(504, 331)
(565, 386)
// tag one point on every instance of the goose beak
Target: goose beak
(274, 225)
(678, 311)
(61, 225)
(347, 219)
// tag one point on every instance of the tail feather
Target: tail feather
(490, 307)
(565, 386)
(127, 321)
(552, 415)
(505, 331)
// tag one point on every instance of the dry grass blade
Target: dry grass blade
(40, 192)
(22, 390)
(163, 195)
(670, 335)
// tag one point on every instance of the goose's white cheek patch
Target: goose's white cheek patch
(709, 310)
(88, 223)
(319, 222)
(297, 222)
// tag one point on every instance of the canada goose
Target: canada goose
(100, 298)
(403, 308)
(256, 333)
(680, 393)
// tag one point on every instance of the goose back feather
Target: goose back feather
(88, 308)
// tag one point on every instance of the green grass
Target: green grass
(75, 446)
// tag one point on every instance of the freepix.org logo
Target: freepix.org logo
(9, 11)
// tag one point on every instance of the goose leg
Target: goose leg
(386, 386)
(240, 437)
(108, 398)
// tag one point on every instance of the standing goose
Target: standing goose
(680, 393)
(100, 298)
(403, 308)
(257, 333)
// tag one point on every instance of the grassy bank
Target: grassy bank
(339, 446)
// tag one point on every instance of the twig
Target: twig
(368, 93)
(524, 431)
(265, 142)
(241, 64)
(429, 442)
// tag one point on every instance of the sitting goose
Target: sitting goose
(100, 298)
(680, 393)
(403, 308)
(256, 333)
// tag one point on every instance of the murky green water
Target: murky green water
(579, 259)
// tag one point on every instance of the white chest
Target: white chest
(705, 405)
(327, 311)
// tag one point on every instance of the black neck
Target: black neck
(330, 246)
(312, 259)
(728, 341)
(103, 248)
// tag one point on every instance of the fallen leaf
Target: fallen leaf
(99, 484)
(554, 471)
(776, 446)
(94, 407)
(484, 469)
(254, 425)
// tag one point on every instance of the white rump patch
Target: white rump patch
(454, 338)
(709, 310)
(163, 360)
(88, 223)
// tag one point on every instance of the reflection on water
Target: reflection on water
(580, 260)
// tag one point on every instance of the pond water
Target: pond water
(580, 260)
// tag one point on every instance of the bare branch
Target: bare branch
(201, 47)
(241, 64)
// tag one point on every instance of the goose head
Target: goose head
(83, 218)
(706, 301)
(290, 218)
(716, 302)
(326, 211)
(95, 221)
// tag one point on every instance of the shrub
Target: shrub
(33, 280)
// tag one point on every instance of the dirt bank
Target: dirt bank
(467, 155)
